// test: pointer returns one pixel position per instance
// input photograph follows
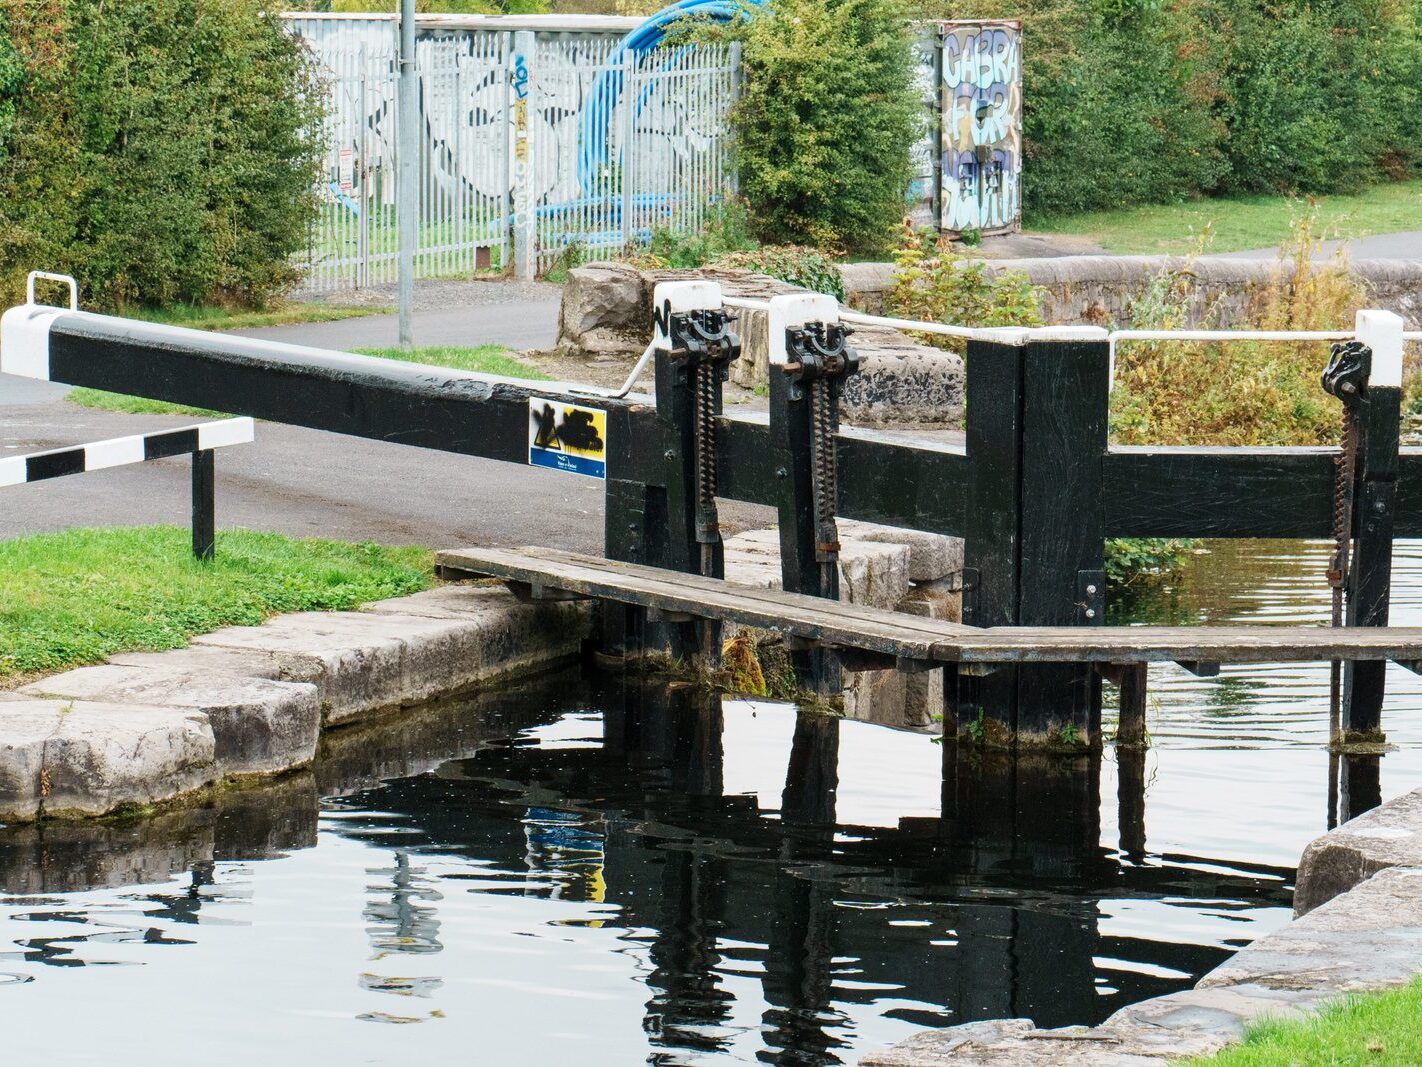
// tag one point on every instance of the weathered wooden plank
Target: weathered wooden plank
(923, 625)
(1190, 491)
(708, 598)
(916, 638)
(1154, 644)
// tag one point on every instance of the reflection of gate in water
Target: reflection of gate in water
(545, 141)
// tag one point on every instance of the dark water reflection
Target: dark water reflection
(624, 874)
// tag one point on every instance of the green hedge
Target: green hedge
(1141, 101)
(826, 120)
(159, 150)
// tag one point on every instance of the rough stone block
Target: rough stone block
(1367, 938)
(931, 556)
(870, 573)
(942, 600)
(80, 758)
(1388, 836)
(604, 309)
(260, 726)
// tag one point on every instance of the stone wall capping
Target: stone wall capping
(149, 727)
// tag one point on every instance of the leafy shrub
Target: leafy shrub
(1242, 393)
(808, 268)
(1134, 561)
(725, 230)
(160, 150)
(826, 120)
(936, 285)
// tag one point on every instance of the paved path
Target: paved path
(520, 315)
(1380, 246)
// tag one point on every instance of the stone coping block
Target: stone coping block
(1369, 938)
(1387, 836)
(84, 758)
(260, 726)
(932, 556)
(366, 661)
(872, 573)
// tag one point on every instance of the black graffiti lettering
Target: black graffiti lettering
(545, 420)
(661, 319)
(578, 431)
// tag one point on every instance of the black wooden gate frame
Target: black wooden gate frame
(1035, 489)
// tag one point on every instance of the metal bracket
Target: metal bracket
(1200, 668)
(817, 350)
(1091, 597)
(1350, 364)
(703, 336)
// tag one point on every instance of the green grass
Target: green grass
(130, 405)
(485, 359)
(210, 317)
(73, 598)
(1240, 223)
(1377, 1029)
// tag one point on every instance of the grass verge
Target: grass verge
(485, 359)
(73, 598)
(482, 359)
(1378, 1029)
(213, 317)
(1240, 223)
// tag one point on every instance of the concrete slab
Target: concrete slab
(259, 726)
(932, 556)
(364, 662)
(82, 758)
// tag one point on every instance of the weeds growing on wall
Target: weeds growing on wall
(934, 284)
(1242, 393)
(158, 150)
(725, 241)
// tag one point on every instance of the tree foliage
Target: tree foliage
(158, 150)
(1146, 101)
(826, 121)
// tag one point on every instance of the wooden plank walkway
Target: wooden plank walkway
(912, 637)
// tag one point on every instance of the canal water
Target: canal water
(588, 872)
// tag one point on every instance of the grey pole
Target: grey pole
(409, 174)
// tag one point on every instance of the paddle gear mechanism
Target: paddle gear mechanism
(703, 344)
(819, 356)
(1345, 377)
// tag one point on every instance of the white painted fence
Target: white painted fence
(539, 144)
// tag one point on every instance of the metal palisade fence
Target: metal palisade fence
(537, 147)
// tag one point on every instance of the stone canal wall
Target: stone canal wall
(1357, 927)
(253, 700)
(1098, 290)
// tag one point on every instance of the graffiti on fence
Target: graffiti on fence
(982, 126)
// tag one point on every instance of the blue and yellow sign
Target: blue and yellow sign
(566, 437)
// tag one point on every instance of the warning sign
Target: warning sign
(345, 168)
(566, 437)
